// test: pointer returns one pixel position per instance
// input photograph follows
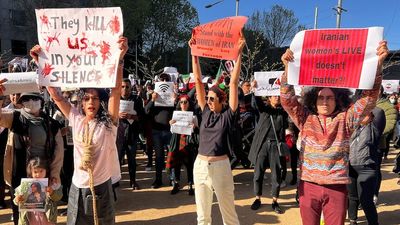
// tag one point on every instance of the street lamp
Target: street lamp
(212, 4)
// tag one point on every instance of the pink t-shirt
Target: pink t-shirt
(105, 153)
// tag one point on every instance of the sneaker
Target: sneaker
(375, 200)
(283, 184)
(276, 208)
(135, 186)
(353, 222)
(156, 184)
(256, 204)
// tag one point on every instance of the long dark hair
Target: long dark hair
(342, 98)
(102, 115)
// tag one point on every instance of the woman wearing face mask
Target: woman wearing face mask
(34, 134)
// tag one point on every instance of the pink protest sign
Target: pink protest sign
(79, 46)
(335, 57)
(218, 39)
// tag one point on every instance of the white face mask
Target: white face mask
(32, 106)
(392, 100)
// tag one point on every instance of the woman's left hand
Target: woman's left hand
(123, 46)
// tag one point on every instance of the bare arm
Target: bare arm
(55, 94)
(115, 96)
(233, 84)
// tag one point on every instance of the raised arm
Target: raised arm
(115, 95)
(55, 93)
(200, 91)
(289, 102)
(234, 83)
(367, 102)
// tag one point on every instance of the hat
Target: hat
(25, 95)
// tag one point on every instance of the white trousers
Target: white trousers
(217, 177)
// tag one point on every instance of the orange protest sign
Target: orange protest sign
(218, 39)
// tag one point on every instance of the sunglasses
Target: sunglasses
(27, 99)
(86, 98)
(184, 102)
(211, 99)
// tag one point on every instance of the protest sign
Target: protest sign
(165, 91)
(20, 82)
(183, 124)
(344, 58)
(268, 83)
(79, 46)
(390, 86)
(218, 39)
(33, 191)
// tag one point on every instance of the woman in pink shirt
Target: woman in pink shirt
(94, 131)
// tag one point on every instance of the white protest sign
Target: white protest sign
(390, 86)
(343, 58)
(268, 83)
(20, 82)
(165, 91)
(184, 122)
(33, 191)
(127, 107)
(79, 46)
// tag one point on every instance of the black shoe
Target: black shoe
(63, 212)
(276, 208)
(256, 204)
(175, 189)
(293, 182)
(191, 191)
(156, 184)
(135, 186)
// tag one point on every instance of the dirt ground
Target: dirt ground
(156, 206)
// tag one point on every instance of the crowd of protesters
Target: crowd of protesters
(79, 138)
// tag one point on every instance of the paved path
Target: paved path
(154, 207)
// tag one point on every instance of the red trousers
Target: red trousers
(329, 199)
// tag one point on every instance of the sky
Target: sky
(360, 13)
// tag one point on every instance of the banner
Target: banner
(165, 91)
(20, 82)
(183, 124)
(344, 58)
(33, 192)
(218, 39)
(268, 83)
(390, 86)
(79, 46)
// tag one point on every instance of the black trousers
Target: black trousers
(294, 158)
(361, 190)
(268, 156)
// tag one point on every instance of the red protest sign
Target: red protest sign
(335, 57)
(218, 39)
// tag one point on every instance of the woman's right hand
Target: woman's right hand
(34, 52)
(287, 57)
(172, 122)
(19, 198)
(2, 88)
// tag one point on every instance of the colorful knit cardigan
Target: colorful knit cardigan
(325, 144)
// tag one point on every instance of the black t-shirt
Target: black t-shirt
(214, 129)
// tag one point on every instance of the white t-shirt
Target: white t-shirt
(105, 157)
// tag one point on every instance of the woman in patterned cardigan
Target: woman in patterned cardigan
(326, 122)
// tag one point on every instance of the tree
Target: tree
(278, 26)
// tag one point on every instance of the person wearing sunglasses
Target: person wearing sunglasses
(33, 133)
(94, 128)
(212, 169)
(183, 149)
